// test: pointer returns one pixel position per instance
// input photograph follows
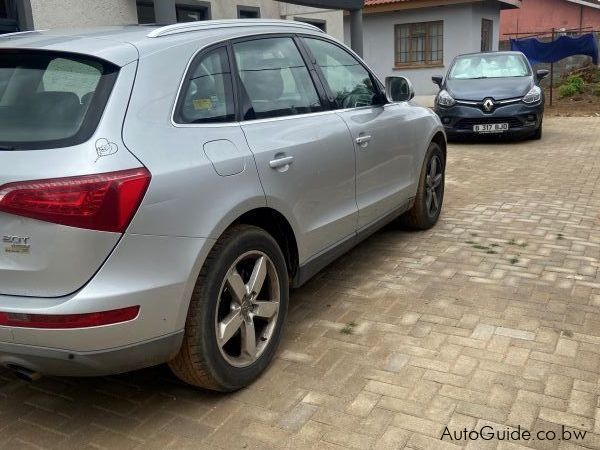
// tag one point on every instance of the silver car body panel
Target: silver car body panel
(323, 161)
(150, 271)
(384, 159)
(62, 259)
(195, 194)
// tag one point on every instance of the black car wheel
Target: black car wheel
(237, 312)
(537, 134)
(430, 194)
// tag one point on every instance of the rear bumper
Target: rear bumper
(459, 120)
(51, 361)
(155, 272)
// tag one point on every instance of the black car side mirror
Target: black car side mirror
(541, 74)
(438, 79)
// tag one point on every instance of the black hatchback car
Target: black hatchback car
(491, 94)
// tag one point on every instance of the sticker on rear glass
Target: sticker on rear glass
(105, 148)
(202, 104)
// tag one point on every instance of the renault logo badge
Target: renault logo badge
(488, 104)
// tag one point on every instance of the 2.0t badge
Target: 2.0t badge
(16, 244)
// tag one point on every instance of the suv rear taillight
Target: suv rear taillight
(104, 202)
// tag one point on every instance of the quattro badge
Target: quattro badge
(16, 244)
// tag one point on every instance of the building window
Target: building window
(320, 24)
(189, 13)
(420, 44)
(8, 16)
(487, 30)
(248, 12)
(145, 12)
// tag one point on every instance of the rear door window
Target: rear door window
(50, 100)
(275, 79)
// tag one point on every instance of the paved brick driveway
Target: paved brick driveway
(492, 318)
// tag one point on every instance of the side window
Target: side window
(275, 78)
(350, 83)
(207, 94)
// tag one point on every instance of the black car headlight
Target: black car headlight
(445, 99)
(533, 96)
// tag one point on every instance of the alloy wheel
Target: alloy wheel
(434, 185)
(247, 309)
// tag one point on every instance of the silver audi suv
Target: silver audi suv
(163, 188)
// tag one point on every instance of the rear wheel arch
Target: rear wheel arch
(274, 223)
(440, 140)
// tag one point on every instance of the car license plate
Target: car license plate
(490, 128)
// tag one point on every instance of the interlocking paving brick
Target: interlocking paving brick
(483, 332)
(297, 417)
(392, 438)
(567, 419)
(492, 317)
(363, 404)
(517, 334)
(559, 386)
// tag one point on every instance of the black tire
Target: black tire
(200, 361)
(537, 134)
(421, 216)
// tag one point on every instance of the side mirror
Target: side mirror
(541, 74)
(399, 89)
(438, 79)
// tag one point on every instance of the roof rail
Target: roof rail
(18, 33)
(187, 27)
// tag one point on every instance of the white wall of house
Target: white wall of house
(84, 13)
(333, 18)
(490, 11)
(462, 34)
(224, 9)
(228, 9)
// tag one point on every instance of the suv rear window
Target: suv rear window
(50, 99)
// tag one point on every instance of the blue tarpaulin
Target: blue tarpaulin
(550, 52)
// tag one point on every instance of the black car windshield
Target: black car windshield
(498, 65)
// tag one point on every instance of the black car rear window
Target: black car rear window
(50, 99)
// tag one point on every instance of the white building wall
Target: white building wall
(462, 34)
(224, 9)
(82, 13)
(334, 19)
(490, 11)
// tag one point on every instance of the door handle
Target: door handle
(281, 162)
(364, 140)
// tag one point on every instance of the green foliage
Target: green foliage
(574, 85)
(348, 328)
(567, 90)
(577, 82)
(596, 90)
